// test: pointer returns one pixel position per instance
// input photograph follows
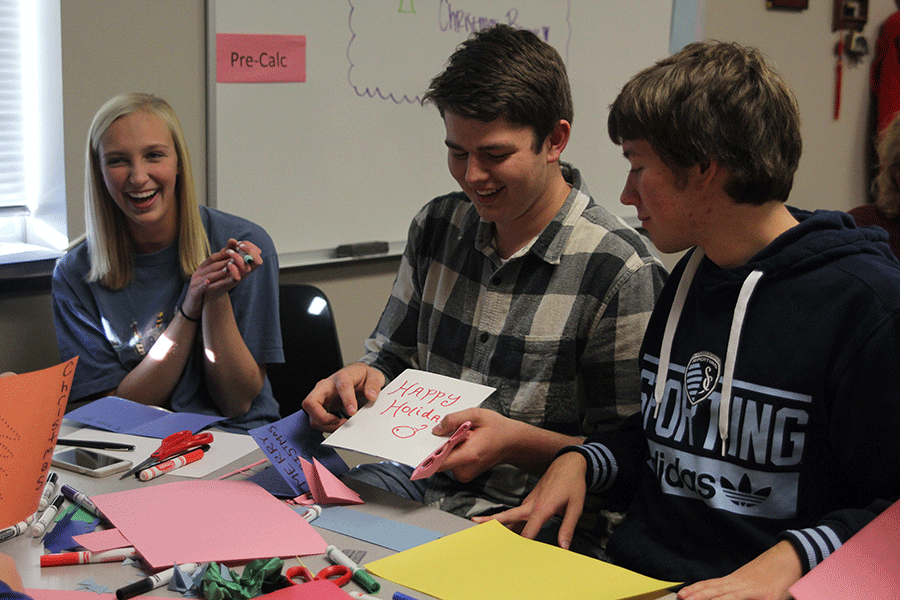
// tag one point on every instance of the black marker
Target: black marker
(98, 444)
(149, 584)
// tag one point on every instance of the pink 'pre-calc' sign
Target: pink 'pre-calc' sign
(259, 58)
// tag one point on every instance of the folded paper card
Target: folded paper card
(490, 561)
(125, 416)
(200, 521)
(284, 442)
(32, 407)
(324, 487)
(397, 426)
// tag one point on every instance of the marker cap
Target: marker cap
(366, 581)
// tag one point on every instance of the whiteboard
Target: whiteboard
(350, 155)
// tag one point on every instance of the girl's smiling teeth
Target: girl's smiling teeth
(142, 198)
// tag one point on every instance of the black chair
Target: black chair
(311, 347)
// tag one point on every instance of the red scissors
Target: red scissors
(337, 574)
(172, 445)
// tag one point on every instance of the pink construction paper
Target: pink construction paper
(102, 539)
(38, 594)
(866, 567)
(314, 590)
(260, 58)
(202, 521)
(325, 487)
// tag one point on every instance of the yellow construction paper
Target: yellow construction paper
(490, 561)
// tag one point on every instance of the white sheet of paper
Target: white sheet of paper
(397, 426)
(226, 448)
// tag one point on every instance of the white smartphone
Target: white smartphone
(89, 462)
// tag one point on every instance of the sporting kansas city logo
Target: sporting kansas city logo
(701, 375)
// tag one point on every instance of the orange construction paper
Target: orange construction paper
(32, 406)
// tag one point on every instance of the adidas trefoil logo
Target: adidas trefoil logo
(743, 494)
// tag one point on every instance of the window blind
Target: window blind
(12, 124)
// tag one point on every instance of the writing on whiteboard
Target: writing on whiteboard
(386, 63)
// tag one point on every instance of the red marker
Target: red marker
(171, 465)
(83, 558)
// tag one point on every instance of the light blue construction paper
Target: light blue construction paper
(369, 528)
(92, 585)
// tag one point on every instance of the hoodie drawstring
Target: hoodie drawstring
(734, 337)
(665, 351)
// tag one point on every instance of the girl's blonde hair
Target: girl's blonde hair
(109, 241)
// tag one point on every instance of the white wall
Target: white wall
(117, 45)
(833, 168)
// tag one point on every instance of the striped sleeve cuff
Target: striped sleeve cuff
(601, 465)
(813, 544)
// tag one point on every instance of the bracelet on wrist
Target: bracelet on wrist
(184, 314)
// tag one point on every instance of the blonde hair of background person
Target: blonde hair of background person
(886, 186)
(107, 234)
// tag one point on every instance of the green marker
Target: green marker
(360, 575)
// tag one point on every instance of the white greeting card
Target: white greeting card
(397, 426)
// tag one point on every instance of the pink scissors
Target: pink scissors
(433, 461)
(172, 445)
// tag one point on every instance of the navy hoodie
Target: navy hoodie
(778, 415)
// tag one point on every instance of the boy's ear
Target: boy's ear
(558, 139)
(708, 172)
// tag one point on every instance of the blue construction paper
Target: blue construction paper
(387, 533)
(173, 423)
(59, 539)
(124, 416)
(271, 480)
(292, 437)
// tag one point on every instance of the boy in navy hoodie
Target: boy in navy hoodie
(770, 415)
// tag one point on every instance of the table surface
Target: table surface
(26, 550)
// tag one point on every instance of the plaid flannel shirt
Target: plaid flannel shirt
(555, 329)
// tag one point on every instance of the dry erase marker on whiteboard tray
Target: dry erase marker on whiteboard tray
(401, 596)
(361, 596)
